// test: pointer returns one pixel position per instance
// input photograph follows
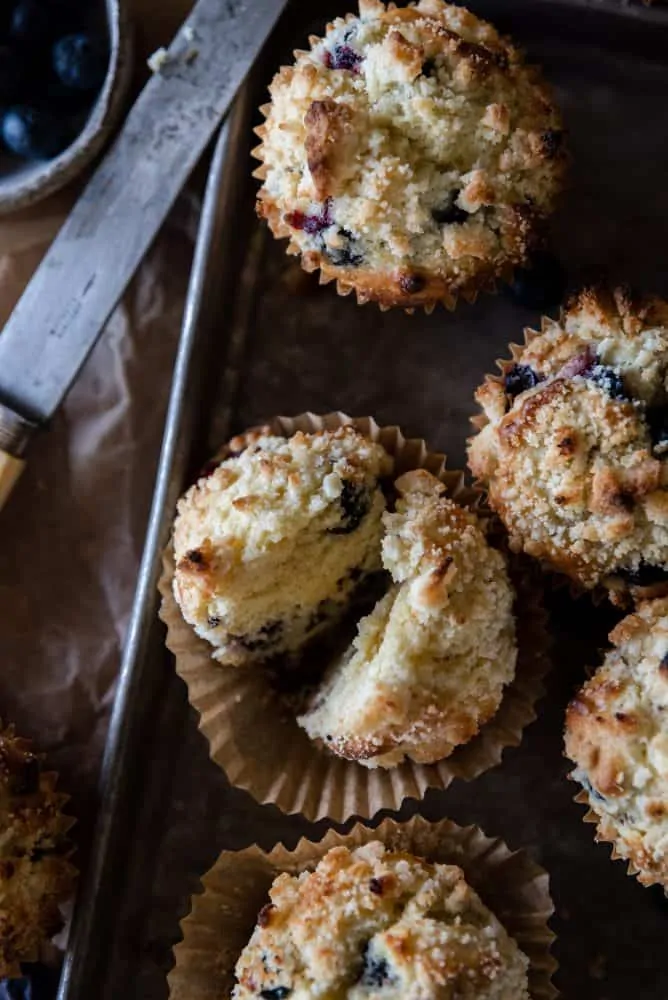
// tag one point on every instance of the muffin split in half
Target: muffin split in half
(429, 664)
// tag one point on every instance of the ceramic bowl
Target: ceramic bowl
(23, 183)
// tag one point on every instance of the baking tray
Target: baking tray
(261, 338)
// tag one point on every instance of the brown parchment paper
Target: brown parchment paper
(71, 535)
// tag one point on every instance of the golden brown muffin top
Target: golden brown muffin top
(574, 449)
(374, 923)
(410, 153)
(616, 735)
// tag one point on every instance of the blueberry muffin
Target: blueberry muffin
(575, 443)
(410, 153)
(35, 875)
(429, 664)
(376, 923)
(272, 543)
(616, 735)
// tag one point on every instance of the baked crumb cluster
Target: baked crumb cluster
(429, 664)
(410, 153)
(574, 449)
(376, 923)
(616, 735)
(272, 543)
(35, 875)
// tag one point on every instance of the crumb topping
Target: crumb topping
(429, 664)
(376, 923)
(574, 449)
(410, 143)
(270, 544)
(35, 875)
(616, 736)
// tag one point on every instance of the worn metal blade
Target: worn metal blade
(84, 273)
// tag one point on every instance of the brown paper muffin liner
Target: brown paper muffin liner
(591, 817)
(245, 722)
(222, 918)
(60, 868)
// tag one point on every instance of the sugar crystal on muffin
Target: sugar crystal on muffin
(429, 664)
(616, 736)
(411, 154)
(378, 923)
(273, 542)
(574, 451)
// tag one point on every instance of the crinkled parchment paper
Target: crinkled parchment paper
(71, 535)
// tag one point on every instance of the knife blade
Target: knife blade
(100, 246)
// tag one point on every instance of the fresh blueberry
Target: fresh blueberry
(16, 989)
(450, 214)
(32, 23)
(277, 993)
(609, 380)
(34, 133)
(355, 503)
(42, 981)
(539, 285)
(519, 378)
(81, 61)
(645, 575)
(657, 420)
(12, 73)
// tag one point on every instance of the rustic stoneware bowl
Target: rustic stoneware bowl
(23, 183)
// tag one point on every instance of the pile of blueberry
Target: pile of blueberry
(37, 982)
(54, 56)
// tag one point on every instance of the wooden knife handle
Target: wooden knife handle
(10, 470)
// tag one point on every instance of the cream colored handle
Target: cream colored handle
(10, 470)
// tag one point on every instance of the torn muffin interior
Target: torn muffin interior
(410, 152)
(572, 452)
(273, 543)
(429, 664)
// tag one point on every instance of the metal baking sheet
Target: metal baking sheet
(262, 338)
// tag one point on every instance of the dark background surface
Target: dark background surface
(282, 344)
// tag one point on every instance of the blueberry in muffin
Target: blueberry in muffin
(429, 664)
(273, 541)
